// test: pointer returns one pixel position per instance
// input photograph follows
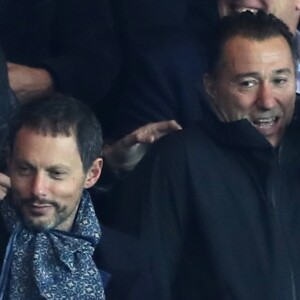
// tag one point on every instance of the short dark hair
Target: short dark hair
(63, 115)
(256, 26)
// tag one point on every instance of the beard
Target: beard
(38, 219)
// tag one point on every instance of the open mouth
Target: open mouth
(265, 123)
(240, 9)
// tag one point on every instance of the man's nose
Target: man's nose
(39, 185)
(265, 97)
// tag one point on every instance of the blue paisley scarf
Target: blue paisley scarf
(52, 264)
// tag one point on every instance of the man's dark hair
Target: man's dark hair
(255, 26)
(63, 115)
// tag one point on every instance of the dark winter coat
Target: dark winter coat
(217, 209)
(74, 40)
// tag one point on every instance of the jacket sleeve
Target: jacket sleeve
(156, 211)
(84, 56)
(73, 40)
(8, 105)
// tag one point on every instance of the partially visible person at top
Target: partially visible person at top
(59, 46)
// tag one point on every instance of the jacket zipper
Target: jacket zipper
(273, 201)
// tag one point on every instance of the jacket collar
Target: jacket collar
(238, 133)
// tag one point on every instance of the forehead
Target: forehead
(45, 149)
(243, 53)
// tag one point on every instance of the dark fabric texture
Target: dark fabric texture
(164, 81)
(217, 211)
(8, 104)
(133, 16)
(162, 60)
(74, 40)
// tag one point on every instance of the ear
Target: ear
(93, 173)
(297, 5)
(209, 85)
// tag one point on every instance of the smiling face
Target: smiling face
(286, 10)
(47, 179)
(255, 81)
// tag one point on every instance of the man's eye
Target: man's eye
(247, 83)
(280, 81)
(25, 170)
(57, 174)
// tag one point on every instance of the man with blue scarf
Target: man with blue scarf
(49, 228)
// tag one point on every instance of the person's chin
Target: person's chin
(38, 225)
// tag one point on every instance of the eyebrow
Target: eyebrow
(23, 162)
(58, 167)
(257, 74)
(282, 71)
(49, 168)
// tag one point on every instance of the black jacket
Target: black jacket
(218, 212)
(8, 107)
(74, 40)
(164, 81)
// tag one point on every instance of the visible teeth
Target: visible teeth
(243, 9)
(265, 122)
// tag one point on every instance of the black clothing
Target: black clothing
(8, 106)
(74, 40)
(164, 81)
(217, 209)
(162, 43)
(134, 16)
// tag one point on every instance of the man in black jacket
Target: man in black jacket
(164, 81)
(51, 239)
(216, 206)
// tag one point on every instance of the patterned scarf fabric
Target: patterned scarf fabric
(52, 264)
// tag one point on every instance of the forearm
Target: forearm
(29, 83)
